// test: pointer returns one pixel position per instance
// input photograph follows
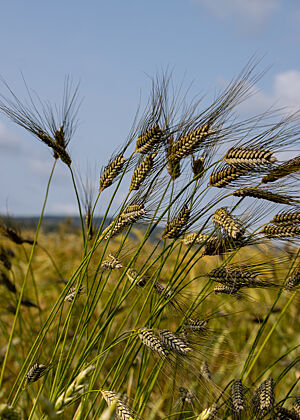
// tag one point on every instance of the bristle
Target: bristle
(286, 218)
(148, 139)
(236, 277)
(248, 156)
(111, 172)
(287, 168)
(237, 396)
(264, 194)
(175, 226)
(225, 176)
(112, 263)
(174, 343)
(142, 171)
(190, 142)
(271, 231)
(150, 340)
(204, 370)
(226, 221)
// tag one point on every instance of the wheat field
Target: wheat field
(180, 303)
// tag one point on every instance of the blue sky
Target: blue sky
(112, 47)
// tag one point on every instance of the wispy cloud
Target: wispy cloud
(9, 143)
(250, 12)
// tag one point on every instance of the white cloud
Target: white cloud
(285, 93)
(252, 12)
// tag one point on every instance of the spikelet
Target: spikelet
(227, 290)
(197, 238)
(72, 292)
(286, 218)
(226, 221)
(190, 142)
(296, 406)
(282, 413)
(5, 257)
(173, 164)
(265, 194)
(74, 390)
(287, 168)
(148, 337)
(186, 396)
(129, 216)
(174, 343)
(8, 412)
(53, 126)
(237, 396)
(111, 171)
(148, 139)
(176, 225)
(263, 398)
(236, 277)
(293, 281)
(271, 231)
(135, 278)
(198, 166)
(89, 224)
(7, 283)
(112, 263)
(36, 371)
(228, 174)
(123, 412)
(142, 171)
(208, 414)
(223, 244)
(14, 235)
(196, 325)
(248, 156)
(59, 147)
(204, 370)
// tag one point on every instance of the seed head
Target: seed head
(287, 168)
(223, 218)
(111, 171)
(147, 140)
(175, 226)
(237, 396)
(174, 343)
